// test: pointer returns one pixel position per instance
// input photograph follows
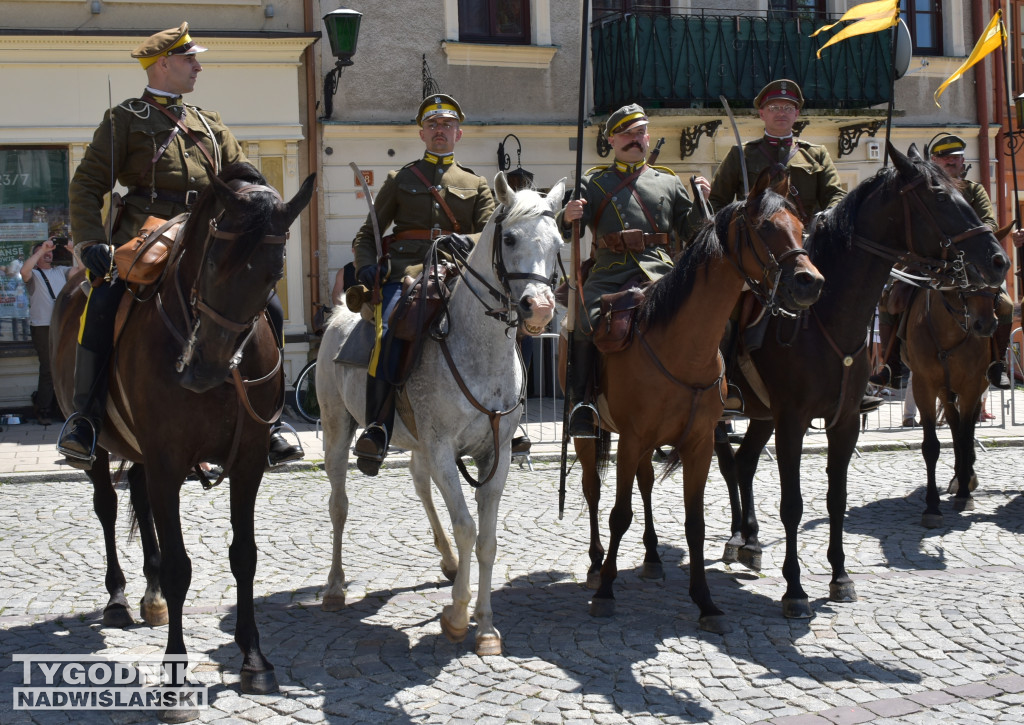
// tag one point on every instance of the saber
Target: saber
(373, 212)
(739, 143)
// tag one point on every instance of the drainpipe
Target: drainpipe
(313, 156)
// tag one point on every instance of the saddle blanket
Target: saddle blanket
(356, 348)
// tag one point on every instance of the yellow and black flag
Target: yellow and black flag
(993, 37)
(871, 17)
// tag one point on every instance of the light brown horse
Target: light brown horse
(667, 388)
(948, 349)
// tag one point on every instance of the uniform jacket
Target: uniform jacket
(812, 175)
(406, 202)
(138, 130)
(977, 197)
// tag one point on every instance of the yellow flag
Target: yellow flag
(993, 37)
(871, 17)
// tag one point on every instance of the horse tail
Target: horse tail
(133, 518)
(604, 453)
(672, 463)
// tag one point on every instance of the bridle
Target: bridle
(743, 234)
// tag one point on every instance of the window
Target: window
(924, 20)
(603, 8)
(33, 206)
(494, 21)
(805, 9)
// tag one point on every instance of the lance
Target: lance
(574, 263)
(1011, 142)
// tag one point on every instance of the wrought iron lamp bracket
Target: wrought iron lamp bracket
(849, 136)
(603, 147)
(504, 162)
(689, 139)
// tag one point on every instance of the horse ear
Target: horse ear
(227, 197)
(300, 200)
(914, 154)
(780, 183)
(502, 190)
(903, 164)
(554, 197)
(763, 182)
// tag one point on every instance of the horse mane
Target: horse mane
(526, 204)
(833, 231)
(667, 295)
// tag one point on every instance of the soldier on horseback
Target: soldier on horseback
(639, 216)
(425, 199)
(164, 151)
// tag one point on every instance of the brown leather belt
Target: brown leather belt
(632, 240)
(421, 234)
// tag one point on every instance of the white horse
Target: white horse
(515, 268)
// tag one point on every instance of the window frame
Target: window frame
(912, 19)
(494, 36)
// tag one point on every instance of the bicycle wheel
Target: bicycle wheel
(306, 404)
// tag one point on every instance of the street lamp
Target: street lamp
(343, 33)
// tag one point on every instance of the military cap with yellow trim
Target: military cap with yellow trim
(173, 41)
(626, 118)
(439, 104)
(782, 89)
(948, 145)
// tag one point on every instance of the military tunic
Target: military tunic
(812, 175)
(405, 201)
(138, 132)
(666, 201)
(977, 197)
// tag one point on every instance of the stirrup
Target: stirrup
(593, 430)
(76, 459)
(734, 404)
(377, 455)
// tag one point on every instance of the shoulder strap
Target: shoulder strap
(438, 198)
(188, 132)
(46, 282)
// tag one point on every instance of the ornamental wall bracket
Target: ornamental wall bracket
(690, 137)
(799, 126)
(603, 147)
(849, 136)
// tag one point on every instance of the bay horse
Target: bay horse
(463, 397)
(168, 410)
(817, 366)
(675, 354)
(948, 349)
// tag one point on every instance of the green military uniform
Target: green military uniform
(405, 201)
(813, 178)
(979, 200)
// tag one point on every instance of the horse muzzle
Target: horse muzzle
(535, 312)
(201, 378)
(801, 286)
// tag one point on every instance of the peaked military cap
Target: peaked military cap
(782, 89)
(948, 145)
(439, 104)
(626, 118)
(173, 41)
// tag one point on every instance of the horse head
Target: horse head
(524, 251)
(944, 236)
(979, 313)
(234, 271)
(777, 266)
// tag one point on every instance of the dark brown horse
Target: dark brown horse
(667, 387)
(948, 349)
(172, 403)
(817, 366)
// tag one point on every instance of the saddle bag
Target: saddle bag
(421, 303)
(142, 259)
(614, 330)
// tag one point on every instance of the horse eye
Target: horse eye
(508, 239)
(941, 197)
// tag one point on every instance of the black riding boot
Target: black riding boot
(733, 403)
(583, 416)
(891, 374)
(281, 451)
(997, 370)
(372, 446)
(78, 441)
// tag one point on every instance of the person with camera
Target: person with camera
(44, 281)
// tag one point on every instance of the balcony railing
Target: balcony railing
(687, 61)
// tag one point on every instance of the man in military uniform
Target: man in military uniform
(814, 181)
(425, 199)
(947, 152)
(164, 151)
(637, 214)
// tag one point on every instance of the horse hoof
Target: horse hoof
(974, 482)
(154, 614)
(750, 558)
(600, 607)
(845, 592)
(594, 579)
(117, 615)
(715, 624)
(488, 645)
(953, 487)
(453, 633)
(175, 716)
(333, 602)
(931, 521)
(258, 683)
(796, 608)
(730, 553)
(652, 570)
(449, 574)
(963, 504)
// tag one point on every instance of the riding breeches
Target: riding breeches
(96, 329)
(387, 350)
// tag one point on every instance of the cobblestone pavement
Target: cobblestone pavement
(935, 635)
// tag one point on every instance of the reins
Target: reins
(765, 289)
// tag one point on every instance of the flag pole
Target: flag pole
(1011, 147)
(892, 86)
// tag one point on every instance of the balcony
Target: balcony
(688, 61)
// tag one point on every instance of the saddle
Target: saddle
(617, 319)
(423, 298)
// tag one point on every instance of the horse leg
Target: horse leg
(257, 674)
(455, 616)
(842, 439)
(932, 517)
(339, 429)
(696, 464)
(153, 607)
(747, 457)
(104, 503)
(603, 602)
(488, 496)
(421, 482)
(788, 443)
(588, 455)
(964, 456)
(652, 567)
(727, 467)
